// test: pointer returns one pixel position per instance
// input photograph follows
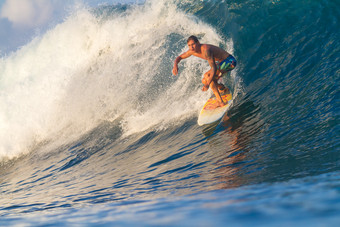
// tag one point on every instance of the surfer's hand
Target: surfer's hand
(205, 87)
(175, 70)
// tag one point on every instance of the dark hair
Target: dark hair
(194, 38)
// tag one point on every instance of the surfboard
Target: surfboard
(209, 113)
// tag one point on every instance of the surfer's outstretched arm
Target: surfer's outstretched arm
(178, 59)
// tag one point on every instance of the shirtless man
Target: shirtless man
(219, 60)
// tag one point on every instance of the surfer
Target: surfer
(219, 60)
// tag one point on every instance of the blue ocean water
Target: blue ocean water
(94, 129)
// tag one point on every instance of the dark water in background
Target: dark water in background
(77, 147)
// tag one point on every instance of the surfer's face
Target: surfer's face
(192, 45)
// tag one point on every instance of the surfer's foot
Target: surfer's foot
(214, 105)
(220, 104)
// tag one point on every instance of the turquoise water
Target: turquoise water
(96, 131)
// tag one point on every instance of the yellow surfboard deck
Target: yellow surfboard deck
(210, 113)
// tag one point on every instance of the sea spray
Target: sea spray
(93, 68)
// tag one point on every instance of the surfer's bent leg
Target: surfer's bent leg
(225, 66)
(207, 76)
(213, 86)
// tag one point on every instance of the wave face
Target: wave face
(94, 127)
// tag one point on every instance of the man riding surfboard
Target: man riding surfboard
(219, 60)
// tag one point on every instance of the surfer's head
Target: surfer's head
(194, 38)
(192, 42)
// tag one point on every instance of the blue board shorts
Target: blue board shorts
(227, 64)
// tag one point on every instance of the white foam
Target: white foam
(91, 69)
